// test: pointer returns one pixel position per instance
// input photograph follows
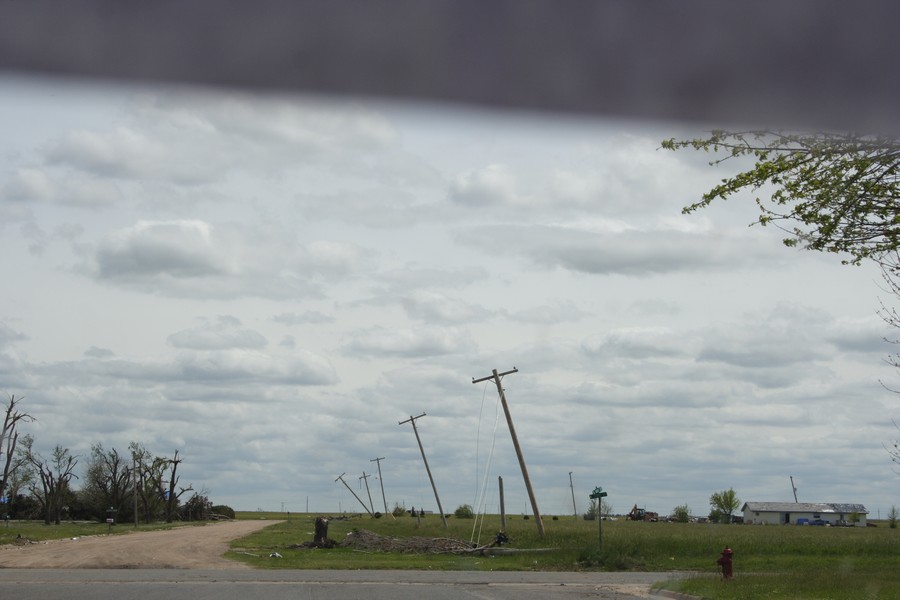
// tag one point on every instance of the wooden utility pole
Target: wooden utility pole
(366, 479)
(341, 479)
(502, 505)
(381, 481)
(572, 487)
(412, 420)
(135, 482)
(512, 431)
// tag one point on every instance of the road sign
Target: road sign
(598, 492)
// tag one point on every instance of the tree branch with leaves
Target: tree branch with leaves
(832, 192)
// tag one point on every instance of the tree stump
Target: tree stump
(321, 535)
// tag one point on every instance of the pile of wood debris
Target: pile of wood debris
(367, 541)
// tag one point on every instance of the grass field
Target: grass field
(802, 563)
(37, 531)
(770, 561)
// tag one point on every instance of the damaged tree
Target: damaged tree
(108, 481)
(9, 438)
(49, 481)
(157, 483)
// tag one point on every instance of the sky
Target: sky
(271, 284)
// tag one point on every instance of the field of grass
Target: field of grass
(802, 563)
(37, 531)
(770, 561)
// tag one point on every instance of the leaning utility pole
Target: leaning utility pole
(572, 487)
(381, 481)
(366, 479)
(341, 479)
(512, 431)
(412, 420)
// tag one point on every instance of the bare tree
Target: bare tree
(157, 483)
(9, 438)
(108, 480)
(171, 496)
(144, 474)
(50, 484)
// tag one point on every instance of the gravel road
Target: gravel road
(193, 547)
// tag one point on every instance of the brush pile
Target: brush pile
(367, 541)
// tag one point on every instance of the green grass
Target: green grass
(38, 532)
(770, 561)
(802, 563)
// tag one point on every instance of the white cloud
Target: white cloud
(8, 335)
(637, 343)
(409, 343)
(224, 333)
(433, 307)
(310, 316)
(177, 249)
(28, 185)
(333, 267)
(557, 312)
(491, 186)
(95, 352)
(628, 252)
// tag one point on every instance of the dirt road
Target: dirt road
(198, 547)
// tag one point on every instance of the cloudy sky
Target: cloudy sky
(269, 285)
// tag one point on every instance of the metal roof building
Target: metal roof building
(802, 513)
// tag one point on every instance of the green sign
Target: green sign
(598, 492)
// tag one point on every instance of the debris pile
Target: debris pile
(364, 540)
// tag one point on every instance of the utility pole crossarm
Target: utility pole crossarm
(411, 420)
(495, 374)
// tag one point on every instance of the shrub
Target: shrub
(682, 513)
(223, 510)
(398, 511)
(464, 511)
(893, 516)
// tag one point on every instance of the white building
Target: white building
(804, 513)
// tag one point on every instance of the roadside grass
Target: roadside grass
(770, 561)
(812, 583)
(37, 531)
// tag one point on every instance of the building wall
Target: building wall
(778, 518)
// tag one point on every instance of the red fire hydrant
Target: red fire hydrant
(725, 561)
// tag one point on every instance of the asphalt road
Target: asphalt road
(175, 584)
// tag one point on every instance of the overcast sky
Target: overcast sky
(270, 284)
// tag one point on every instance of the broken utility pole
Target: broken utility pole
(412, 420)
(381, 481)
(341, 479)
(512, 431)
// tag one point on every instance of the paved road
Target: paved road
(174, 584)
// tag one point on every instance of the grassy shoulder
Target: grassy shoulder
(37, 531)
(770, 561)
